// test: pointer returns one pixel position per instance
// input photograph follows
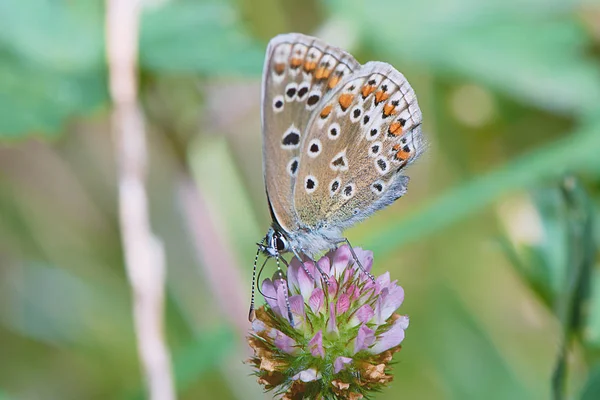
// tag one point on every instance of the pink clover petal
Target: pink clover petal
(325, 265)
(332, 324)
(258, 326)
(350, 291)
(340, 363)
(308, 375)
(354, 292)
(306, 284)
(382, 282)
(281, 303)
(365, 257)
(297, 307)
(369, 285)
(378, 319)
(316, 345)
(292, 276)
(366, 295)
(276, 279)
(343, 304)
(362, 315)
(285, 343)
(316, 300)
(333, 286)
(268, 288)
(364, 338)
(403, 321)
(389, 300)
(392, 337)
(346, 275)
(310, 266)
(341, 258)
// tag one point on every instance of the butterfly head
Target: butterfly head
(274, 243)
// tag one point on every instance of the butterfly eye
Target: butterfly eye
(279, 243)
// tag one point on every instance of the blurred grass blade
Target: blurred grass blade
(194, 360)
(576, 152)
(197, 358)
(536, 278)
(591, 391)
(576, 290)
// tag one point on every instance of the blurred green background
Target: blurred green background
(495, 243)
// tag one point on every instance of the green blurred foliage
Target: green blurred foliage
(170, 42)
(482, 243)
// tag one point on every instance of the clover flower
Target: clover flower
(343, 336)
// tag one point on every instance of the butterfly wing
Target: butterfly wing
(357, 145)
(298, 74)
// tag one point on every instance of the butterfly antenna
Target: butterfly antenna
(357, 261)
(252, 313)
(285, 290)
(258, 280)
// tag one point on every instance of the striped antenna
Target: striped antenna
(252, 312)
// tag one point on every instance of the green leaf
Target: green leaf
(51, 64)
(59, 34)
(198, 37)
(36, 100)
(576, 152)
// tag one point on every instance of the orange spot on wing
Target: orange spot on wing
(380, 96)
(345, 100)
(310, 66)
(279, 68)
(326, 111)
(388, 109)
(322, 73)
(367, 90)
(401, 155)
(333, 81)
(396, 130)
(295, 62)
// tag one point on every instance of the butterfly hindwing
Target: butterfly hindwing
(299, 72)
(368, 130)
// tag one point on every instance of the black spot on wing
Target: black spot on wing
(291, 139)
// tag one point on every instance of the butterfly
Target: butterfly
(337, 136)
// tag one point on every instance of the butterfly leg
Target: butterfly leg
(285, 290)
(323, 274)
(297, 255)
(356, 260)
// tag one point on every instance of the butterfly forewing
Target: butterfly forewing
(367, 131)
(299, 73)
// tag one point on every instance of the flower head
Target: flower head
(342, 335)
